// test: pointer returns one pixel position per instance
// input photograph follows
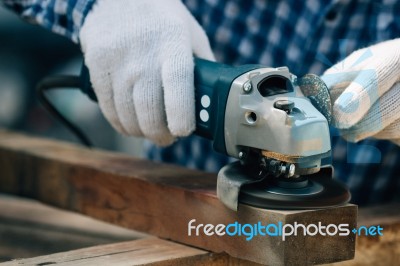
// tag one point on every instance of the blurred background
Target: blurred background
(27, 54)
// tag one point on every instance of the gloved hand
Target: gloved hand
(140, 58)
(365, 92)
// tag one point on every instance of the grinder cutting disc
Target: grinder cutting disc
(307, 192)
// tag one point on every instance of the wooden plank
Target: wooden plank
(159, 199)
(45, 230)
(29, 229)
(147, 251)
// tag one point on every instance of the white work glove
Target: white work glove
(140, 58)
(365, 92)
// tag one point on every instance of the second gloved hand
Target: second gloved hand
(140, 58)
(365, 92)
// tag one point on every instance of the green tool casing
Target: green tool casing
(214, 80)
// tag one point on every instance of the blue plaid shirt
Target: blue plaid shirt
(306, 36)
(64, 17)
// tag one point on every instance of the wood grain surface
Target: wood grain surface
(159, 199)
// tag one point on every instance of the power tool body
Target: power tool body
(275, 124)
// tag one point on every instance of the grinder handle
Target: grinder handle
(212, 83)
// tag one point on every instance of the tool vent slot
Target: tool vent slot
(274, 85)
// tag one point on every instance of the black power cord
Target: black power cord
(61, 82)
